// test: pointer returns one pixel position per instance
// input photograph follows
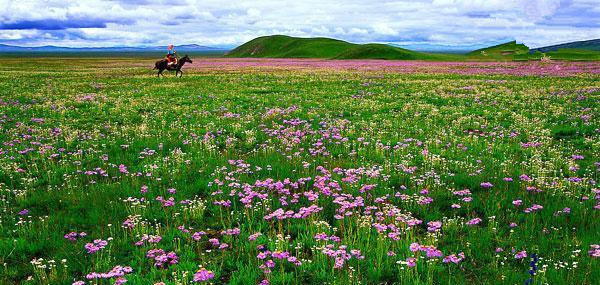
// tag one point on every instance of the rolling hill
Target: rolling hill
(573, 51)
(279, 46)
(506, 51)
(579, 45)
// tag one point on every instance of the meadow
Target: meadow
(267, 171)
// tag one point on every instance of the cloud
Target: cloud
(228, 23)
(56, 24)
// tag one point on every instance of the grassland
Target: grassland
(309, 172)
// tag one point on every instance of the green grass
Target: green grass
(343, 129)
(574, 54)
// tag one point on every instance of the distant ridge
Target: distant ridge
(280, 46)
(181, 48)
(581, 45)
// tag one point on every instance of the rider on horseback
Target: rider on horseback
(171, 56)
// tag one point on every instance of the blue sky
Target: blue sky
(426, 23)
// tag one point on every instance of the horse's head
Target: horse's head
(186, 58)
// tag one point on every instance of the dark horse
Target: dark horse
(162, 64)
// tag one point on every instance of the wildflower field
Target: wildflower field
(299, 172)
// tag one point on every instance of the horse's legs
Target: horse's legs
(180, 73)
(159, 72)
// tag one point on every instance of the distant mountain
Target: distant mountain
(181, 48)
(280, 46)
(581, 45)
(576, 51)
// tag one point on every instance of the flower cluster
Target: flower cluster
(162, 259)
(72, 236)
(203, 275)
(95, 246)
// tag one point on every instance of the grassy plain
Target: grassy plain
(243, 174)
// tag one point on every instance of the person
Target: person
(171, 55)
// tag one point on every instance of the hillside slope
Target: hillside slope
(505, 51)
(579, 45)
(280, 46)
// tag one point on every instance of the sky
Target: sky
(228, 23)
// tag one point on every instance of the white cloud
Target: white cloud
(216, 22)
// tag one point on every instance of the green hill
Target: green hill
(573, 54)
(380, 51)
(280, 46)
(505, 51)
(593, 45)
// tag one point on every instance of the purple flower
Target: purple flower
(533, 208)
(203, 275)
(520, 255)
(254, 236)
(95, 246)
(524, 177)
(24, 212)
(434, 226)
(486, 185)
(474, 221)
(414, 247)
(594, 250)
(453, 258)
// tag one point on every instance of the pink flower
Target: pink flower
(594, 250)
(95, 246)
(414, 247)
(434, 226)
(474, 221)
(486, 185)
(520, 255)
(453, 258)
(203, 275)
(254, 236)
